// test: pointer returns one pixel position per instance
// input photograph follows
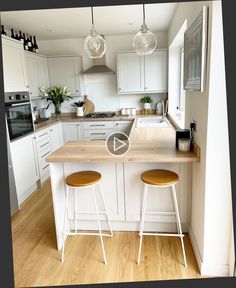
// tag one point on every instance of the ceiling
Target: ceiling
(76, 22)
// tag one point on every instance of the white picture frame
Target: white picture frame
(195, 52)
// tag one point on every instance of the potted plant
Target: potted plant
(147, 100)
(56, 95)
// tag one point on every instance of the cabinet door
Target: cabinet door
(156, 71)
(123, 126)
(14, 68)
(32, 72)
(65, 71)
(71, 131)
(56, 136)
(25, 165)
(130, 73)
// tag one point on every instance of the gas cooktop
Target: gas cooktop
(101, 115)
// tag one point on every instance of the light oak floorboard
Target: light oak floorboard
(37, 261)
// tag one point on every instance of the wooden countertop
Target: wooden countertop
(146, 145)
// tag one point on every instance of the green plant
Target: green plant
(56, 95)
(146, 99)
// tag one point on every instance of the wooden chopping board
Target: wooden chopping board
(89, 106)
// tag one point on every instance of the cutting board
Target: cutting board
(89, 106)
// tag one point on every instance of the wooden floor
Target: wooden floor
(37, 261)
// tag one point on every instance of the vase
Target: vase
(147, 106)
(57, 110)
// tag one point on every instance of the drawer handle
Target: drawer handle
(43, 134)
(45, 167)
(92, 139)
(44, 144)
(45, 154)
(97, 125)
(98, 133)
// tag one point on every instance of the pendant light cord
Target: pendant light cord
(144, 16)
(92, 16)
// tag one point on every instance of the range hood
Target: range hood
(99, 67)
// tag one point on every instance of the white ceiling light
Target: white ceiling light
(94, 44)
(144, 41)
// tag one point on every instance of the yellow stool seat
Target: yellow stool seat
(159, 177)
(83, 178)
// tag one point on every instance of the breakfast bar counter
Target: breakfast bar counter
(150, 148)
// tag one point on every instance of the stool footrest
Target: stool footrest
(162, 234)
(161, 213)
(88, 234)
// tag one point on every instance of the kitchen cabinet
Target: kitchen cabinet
(97, 130)
(56, 136)
(14, 67)
(71, 131)
(25, 166)
(37, 71)
(123, 126)
(66, 71)
(142, 74)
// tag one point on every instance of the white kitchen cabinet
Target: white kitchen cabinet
(56, 137)
(97, 130)
(14, 68)
(71, 131)
(25, 166)
(66, 71)
(142, 74)
(130, 73)
(155, 71)
(123, 126)
(37, 71)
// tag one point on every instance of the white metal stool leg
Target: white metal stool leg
(75, 210)
(105, 206)
(178, 222)
(99, 225)
(65, 222)
(142, 221)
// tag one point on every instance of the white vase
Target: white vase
(80, 111)
(147, 106)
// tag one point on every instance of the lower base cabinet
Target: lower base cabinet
(71, 131)
(25, 166)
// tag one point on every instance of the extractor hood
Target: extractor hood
(99, 67)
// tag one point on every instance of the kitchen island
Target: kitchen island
(149, 148)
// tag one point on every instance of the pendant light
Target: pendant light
(94, 44)
(144, 41)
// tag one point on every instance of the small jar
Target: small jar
(133, 111)
(184, 144)
(123, 111)
(128, 111)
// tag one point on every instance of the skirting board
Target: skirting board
(207, 269)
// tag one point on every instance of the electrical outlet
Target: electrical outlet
(193, 125)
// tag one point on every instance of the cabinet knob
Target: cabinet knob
(117, 124)
(119, 89)
(27, 86)
(77, 91)
(145, 88)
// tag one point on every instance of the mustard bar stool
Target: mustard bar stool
(75, 182)
(160, 178)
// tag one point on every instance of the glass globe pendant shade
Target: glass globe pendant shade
(94, 45)
(144, 42)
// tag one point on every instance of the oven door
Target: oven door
(19, 119)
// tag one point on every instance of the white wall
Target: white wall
(101, 89)
(211, 178)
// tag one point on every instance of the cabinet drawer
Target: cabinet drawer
(98, 125)
(42, 135)
(94, 139)
(103, 133)
(44, 145)
(44, 170)
(44, 153)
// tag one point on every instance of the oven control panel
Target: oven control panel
(16, 97)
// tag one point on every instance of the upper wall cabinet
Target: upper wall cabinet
(37, 71)
(142, 74)
(66, 71)
(14, 68)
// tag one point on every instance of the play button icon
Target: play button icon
(117, 143)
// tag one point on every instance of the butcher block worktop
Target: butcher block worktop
(146, 145)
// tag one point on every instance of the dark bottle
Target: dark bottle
(29, 44)
(25, 43)
(35, 46)
(12, 34)
(21, 38)
(17, 36)
(3, 32)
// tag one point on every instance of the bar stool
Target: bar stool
(81, 180)
(160, 178)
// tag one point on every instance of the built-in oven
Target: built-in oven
(18, 114)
